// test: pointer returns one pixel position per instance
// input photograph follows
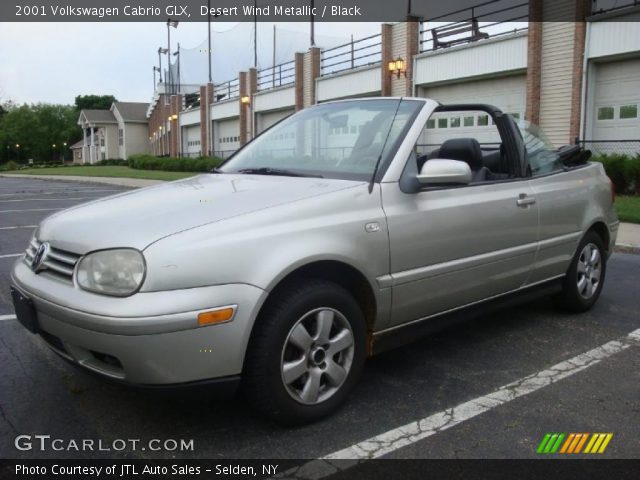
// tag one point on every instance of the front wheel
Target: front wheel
(583, 282)
(306, 352)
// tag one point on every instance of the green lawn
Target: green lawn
(106, 171)
(628, 209)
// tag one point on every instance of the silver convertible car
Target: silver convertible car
(346, 229)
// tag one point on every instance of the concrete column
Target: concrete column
(84, 145)
(92, 148)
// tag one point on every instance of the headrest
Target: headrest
(463, 149)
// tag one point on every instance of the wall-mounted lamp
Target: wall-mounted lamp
(398, 66)
(174, 117)
(245, 100)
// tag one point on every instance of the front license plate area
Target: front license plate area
(25, 311)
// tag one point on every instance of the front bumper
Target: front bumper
(150, 338)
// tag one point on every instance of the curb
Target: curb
(627, 248)
(118, 181)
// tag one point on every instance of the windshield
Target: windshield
(343, 140)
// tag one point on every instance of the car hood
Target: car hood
(141, 217)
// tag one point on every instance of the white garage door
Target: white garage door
(191, 141)
(616, 101)
(506, 93)
(267, 119)
(226, 137)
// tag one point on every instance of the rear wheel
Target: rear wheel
(583, 282)
(306, 352)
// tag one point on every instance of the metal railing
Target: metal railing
(598, 7)
(223, 154)
(277, 76)
(507, 12)
(356, 53)
(227, 90)
(630, 148)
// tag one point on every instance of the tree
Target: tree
(94, 102)
(36, 129)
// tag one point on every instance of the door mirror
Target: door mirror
(444, 172)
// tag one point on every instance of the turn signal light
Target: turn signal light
(216, 316)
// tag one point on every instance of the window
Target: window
(120, 137)
(431, 123)
(483, 120)
(516, 116)
(455, 122)
(468, 121)
(605, 113)
(628, 111)
(541, 154)
(442, 123)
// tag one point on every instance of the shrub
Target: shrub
(173, 164)
(623, 170)
(10, 165)
(113, 161)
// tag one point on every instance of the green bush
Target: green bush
(173, 164)
(623, 170)
(113, 161)
(10, 165)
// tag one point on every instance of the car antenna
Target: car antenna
(384, 145)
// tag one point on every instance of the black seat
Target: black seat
(466, 150)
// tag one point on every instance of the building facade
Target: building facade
(579, 80)
(113, 134)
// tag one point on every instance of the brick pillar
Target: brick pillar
(534, 62)
(299, 82)
(385, 81)
(244, 108)
(204, 121)
(311, 66)
(404, 43)
(211, 98)
(583, 10)
(175, 108)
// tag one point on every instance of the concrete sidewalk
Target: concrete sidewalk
(120, 181)
(628, 238)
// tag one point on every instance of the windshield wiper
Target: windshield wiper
(275, 171)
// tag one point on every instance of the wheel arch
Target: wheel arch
(601, 229)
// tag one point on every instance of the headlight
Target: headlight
(116, 272)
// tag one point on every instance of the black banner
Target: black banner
(299, 10)
(379, 469)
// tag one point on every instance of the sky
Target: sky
(54, 62)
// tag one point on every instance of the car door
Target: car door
(453, 247)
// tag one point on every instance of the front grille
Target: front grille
(59, 263)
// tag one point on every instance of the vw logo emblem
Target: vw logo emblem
(40, 257)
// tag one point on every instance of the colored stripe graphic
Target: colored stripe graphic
(574, 443)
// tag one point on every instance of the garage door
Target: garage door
(267, 119)
(226, 137)
(506, 93)
(191, 141)
(616, 101)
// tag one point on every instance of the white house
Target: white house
(115, 133)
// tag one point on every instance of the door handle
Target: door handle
(524, 200)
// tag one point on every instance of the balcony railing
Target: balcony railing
(356, 53)
(227, 90)
(599, 7)
(277, 76)
(474, 29)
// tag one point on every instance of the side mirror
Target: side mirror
(444, 172)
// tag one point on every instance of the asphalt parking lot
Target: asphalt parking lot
(41, 394)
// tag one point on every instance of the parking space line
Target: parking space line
(418, 430)
(11, 255)
(18, 226)
(7, 317)
(30, 210)
(61, 190)
(44, 199)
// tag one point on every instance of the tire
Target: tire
(297, 372)
(583, 282)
